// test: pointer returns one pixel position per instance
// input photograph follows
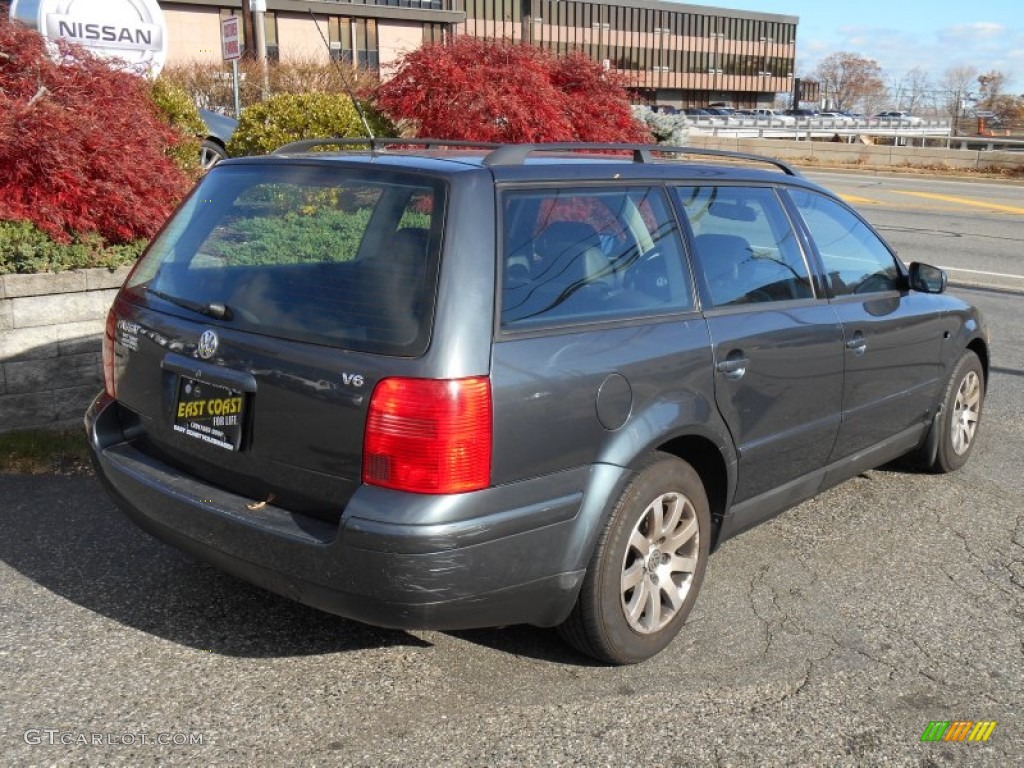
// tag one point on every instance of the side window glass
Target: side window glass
(578, 255)
(855, 260)
(745, 246)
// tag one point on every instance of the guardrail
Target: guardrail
(849, 130)
(985, 143)
(809, 128)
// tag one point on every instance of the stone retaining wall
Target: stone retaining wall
(51, 327)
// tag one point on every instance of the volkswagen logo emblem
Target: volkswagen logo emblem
(207, 346)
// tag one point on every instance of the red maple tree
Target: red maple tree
(82, 146)
(478, 90)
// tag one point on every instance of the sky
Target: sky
(902, 34)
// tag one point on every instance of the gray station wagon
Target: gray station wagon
(450, 387)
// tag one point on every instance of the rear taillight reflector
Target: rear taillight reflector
(429, 435)
(109, 383)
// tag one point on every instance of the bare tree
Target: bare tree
(956, 84)
(916, 86)
(1008, 110)
(848, 79)
(874, 100)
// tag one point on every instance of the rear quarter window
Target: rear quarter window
(316, 254)
(573, 255)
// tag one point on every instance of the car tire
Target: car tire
(647, 568)
(961, 414)
(211, 153)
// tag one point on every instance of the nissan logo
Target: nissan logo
(207, 346)
(133, 31)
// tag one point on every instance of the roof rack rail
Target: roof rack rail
(516, 154)
(379, 144)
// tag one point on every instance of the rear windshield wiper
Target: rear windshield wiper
(213, 309)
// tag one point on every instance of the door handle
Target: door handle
(858, 344)
(734, 366)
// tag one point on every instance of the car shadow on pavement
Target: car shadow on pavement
(527, 642)
(66, 535)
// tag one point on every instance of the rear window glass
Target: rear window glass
(316, 254)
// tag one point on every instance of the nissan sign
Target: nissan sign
(131, 30)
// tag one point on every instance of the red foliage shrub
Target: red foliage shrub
(82, 147)
(476, 90)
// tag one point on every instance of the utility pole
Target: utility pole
(259, 10)
(248, 33)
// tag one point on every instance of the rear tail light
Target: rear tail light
(429, 435)
(109, 384)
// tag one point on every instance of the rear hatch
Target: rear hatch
(250, 336)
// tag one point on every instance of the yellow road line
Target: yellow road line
(855, 200)
(962, 201)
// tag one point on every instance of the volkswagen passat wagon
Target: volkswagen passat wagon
(439, 388)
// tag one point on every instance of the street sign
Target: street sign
(230, 38)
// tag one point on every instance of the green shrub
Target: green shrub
(180, 111)
(291, 117)
(26, 249)
(296, 237)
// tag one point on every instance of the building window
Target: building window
(355, 41)
(339, 33)
(270, 32)
(435, 33)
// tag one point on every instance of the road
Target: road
(831, 636)
(973, 229)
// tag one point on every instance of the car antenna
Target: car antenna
(344, 79)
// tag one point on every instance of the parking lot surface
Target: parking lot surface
(831, 636)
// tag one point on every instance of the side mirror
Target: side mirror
(926, 278)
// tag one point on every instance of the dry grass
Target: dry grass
(44, 452)
(210, 84)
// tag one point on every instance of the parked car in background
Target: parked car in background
(773, 117)
(696, 112)
(894, 116)
(665, 109)
(219, 129)
(836, 118)
(802, 114)
(438, 389)
(725, 115)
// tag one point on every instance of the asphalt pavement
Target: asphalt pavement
(831, 636)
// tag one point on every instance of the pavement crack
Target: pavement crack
(923, 651)
(978, 562)
(766, 624)
(893, 669)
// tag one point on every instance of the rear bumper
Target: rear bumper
(508, 555)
